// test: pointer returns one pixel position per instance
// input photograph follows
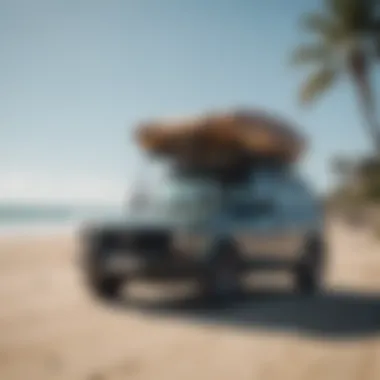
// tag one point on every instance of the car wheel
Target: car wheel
(100, 284)
(222, 278)
(106, 288)
(309, 269)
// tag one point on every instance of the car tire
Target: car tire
(108, 288)
(100, 284)
(222, 278)
(309, 269)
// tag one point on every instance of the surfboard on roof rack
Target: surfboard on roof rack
(223, 138)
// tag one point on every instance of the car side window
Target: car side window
(296, 202)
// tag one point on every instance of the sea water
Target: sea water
(21, 218)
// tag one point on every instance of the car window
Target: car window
(265, 183)
(296, 202)
(295, 193)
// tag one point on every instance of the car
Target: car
(212, 227)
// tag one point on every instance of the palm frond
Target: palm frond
(354, 15)
(342, 8)
(329, 28)
(310, 54)
(317, 84)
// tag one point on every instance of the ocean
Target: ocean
(17, 218)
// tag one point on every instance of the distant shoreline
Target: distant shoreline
(39, 229)
(46, 220)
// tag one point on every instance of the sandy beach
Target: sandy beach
(50, 328)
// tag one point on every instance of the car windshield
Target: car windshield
(187, 198)
(193, 196)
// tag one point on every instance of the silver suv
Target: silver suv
(213, 227)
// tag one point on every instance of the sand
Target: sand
(50, 328)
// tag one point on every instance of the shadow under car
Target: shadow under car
(334, 314)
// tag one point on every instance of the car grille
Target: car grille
(148, 240)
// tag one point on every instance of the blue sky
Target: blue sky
(77, 75)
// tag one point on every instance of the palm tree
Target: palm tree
(347, 42)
